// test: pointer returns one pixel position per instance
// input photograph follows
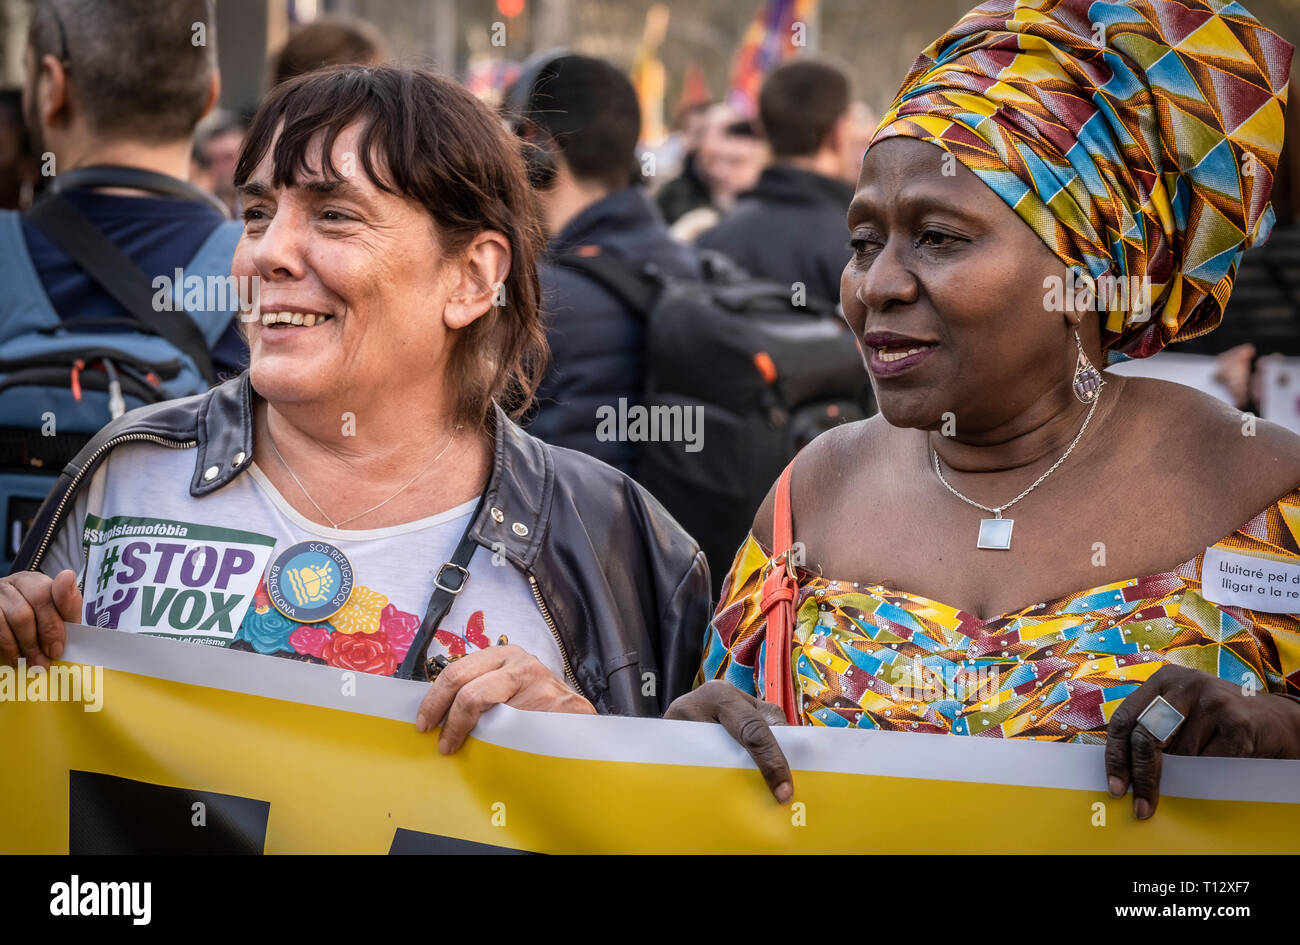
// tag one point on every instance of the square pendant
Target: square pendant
(995, 533)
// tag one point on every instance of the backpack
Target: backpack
(60, 383)
(738, 380)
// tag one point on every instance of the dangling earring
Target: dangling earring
(1087, 379)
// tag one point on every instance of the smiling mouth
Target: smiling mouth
(293, 319)
(898, 353)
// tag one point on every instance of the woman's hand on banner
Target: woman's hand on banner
(1220, 718)
(471, 685)
(748, 721)
(33, 610)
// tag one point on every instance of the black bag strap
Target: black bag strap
(104, 261)
(447, 585)
(634, 286)
(135, 178)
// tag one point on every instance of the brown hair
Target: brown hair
(428, 139)
(799, 104)
(140, 69)
(328, 41)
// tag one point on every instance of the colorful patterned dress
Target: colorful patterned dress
(868, 656)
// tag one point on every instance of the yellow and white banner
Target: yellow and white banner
(169, 746)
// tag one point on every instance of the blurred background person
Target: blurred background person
(729, 161)
(114, 89)
(862, 125)
(106, 87)
(790, 226)
(328, 41)
(217, 141)
(688, 190)
(19, 172)
(582, 118)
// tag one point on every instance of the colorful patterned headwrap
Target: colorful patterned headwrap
(1137, 138)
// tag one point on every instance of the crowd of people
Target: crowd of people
(397, 429)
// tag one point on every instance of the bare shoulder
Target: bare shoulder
(1225, 458)
(826, 468)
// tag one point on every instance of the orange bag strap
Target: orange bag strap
(780, 593)
(782, 514)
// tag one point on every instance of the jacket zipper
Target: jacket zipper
(88, 465)
(564, 657)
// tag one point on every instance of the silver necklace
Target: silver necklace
(334, 524)
(995, 533)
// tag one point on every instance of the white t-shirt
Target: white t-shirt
(241, 568)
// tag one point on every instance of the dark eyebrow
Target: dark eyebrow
(253, 188)
(914, 202)
(333, 188)
(325, 187)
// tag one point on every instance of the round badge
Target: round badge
(310, 581)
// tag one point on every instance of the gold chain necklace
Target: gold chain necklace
(334, 524)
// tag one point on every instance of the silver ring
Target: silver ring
(1161, 720)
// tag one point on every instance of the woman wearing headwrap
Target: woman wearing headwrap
(1020, 545)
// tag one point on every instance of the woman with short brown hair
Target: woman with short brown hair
(360, 497)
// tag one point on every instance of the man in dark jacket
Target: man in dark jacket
(143, 120)
(584, 114)
(790, 227)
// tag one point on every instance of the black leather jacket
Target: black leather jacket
(624, 589)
